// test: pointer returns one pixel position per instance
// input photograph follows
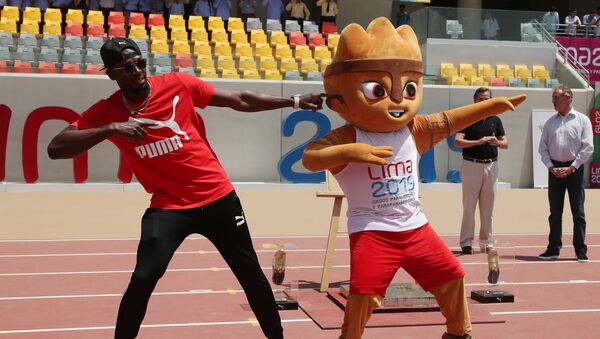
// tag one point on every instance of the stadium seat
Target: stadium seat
(292, 26)
(183, 61)
(258, 35)
(535, 83)
(28, 40)
(314, 76)
(539, 71)
(332, 41)
(292, 75)
(272, 74)
(5, 53)
(448, 70)
(204, 61)
(74, 16)
(208, 73)
(310, 27)
(32, 14)
(71, 69)
(323, 64)
(225, 61)
(246, 63)
(321, 52)
(234, 23)
(188, 70)
(504, 71)
(497, 82)
(202, 48)
(458, 81)
(3, 66)
(10, 13)
(74, 28)
(49, 55)
(302, 52)
(195, 22)
(316, 39)
(215, 22)
(95, 30)
(267, 63)
(329, 28)
(238, 36)
(253, 24)
(50, 41)
(71, 56)
(478, 81)
(523, 72)
(116, 30)
(179, 34)
(92, 56)
(22, 67)
(94, 17)
(94, 69)
(161, 59)
(137, 31)
(159, 46)
(485, 71)
(52, 28)
(218, 35)
(287, 65)
(515, 82)
(250, 74)
(30, 27)
(138, 19)
(94, 42)
(176, 21)
(262, 50)
(297, 38)
(467, 71)
(157, 70)
(278, 38)
(199, 34)
(273, 25)
(24, 54)
(283, 51)
(72, 41)
(116, 18)
(181, 47)
(6, 39)
(230, 73)
(8, 26)
(222, 48)
(142, 44)
(52, 15)
(46, 67)
(158, 32)
(308, 65)
(156, 20)
(552, 83)
(243, 49)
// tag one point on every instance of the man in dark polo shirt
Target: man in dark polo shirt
(479, 173)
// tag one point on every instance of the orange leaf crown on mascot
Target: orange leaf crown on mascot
(375, 83)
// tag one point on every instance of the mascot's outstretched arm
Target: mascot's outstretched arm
(428, 130)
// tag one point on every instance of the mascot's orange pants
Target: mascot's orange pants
(375, 258)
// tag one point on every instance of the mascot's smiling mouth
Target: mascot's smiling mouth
(396, 113)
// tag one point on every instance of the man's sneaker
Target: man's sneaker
(549, 255)
(582, 257)
(467, 250)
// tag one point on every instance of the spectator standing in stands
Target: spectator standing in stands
(479, 174)
(551, 20)
(158, 6)
(191, 192)
(490, 27)
(203, 8)
(41, 4)
(176, 7)
(572, 21)
(298, 11)
(329, 10)
(222, 8)
(274, 9)
(566, 144)
(247, 9)
(402, 17)
(589, 21)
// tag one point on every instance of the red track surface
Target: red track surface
(71, 289)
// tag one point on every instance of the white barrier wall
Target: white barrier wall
(250, 145)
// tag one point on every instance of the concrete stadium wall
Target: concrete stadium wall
(250, 145)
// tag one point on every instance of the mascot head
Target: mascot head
(375, 80)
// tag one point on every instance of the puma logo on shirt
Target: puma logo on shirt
(170, 124)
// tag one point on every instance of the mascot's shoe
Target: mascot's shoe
(452, 336)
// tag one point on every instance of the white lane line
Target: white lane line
(95, 328)
(191, 292)
(547, 312)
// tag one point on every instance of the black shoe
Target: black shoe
(549, 255)
(467, 250)
(582, 258)
(452, 336)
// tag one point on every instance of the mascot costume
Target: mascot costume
(375, 84)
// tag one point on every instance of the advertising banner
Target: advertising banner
(595, 118)
(586, 51)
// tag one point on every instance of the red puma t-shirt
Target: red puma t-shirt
(174, 162)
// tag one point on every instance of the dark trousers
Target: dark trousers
(573, 184)
(223, 223)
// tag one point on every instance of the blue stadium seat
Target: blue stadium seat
(51, 41)
(71, 56)
(48, 55)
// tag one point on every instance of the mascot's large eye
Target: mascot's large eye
(410, 90)
(374, 90)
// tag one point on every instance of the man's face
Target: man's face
(561, 101)
(131, 73)
(482, 96)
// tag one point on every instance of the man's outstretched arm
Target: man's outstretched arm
(249, 101)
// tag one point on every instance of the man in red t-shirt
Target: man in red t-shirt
(153, 122)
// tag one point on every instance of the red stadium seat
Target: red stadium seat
(316, 39)
(329, 27)
(74, 28)
(497, 82)
(46, 67)
(95, 30)
(156, 20)
(3, 66)
(297, 38)
(116, 18)
(94, 69)
(183, 60)
(71, 69)
(116, 30)
(22, 67)
(137, 19)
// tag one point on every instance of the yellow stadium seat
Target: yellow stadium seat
(458, 81)
(225, 61)
(478, 81)
(202, 48)
(267, 63)
(30, 27)
(10, 26)
(179, 33)
(504, 71)
(238, 36)
(195, 22)
(219, 34)
(33, 14)
(302, 52)
(234, 23)
(283, 51)
(256, 36)
(95, 17)
(222, 48)
(204, 61)
(243, 49)
(467, 71)
(278, 38)
(208, 73)
(199, 34)
(229, 73)
(322, 52)
(52, 14)
(215, 22)
(250, 74)
(447, 70)
(75, 15)
(485, 70)
(540, 72)
(288, 64)
(181, 47)
(323, 64)
(177, 21)
(332, 40)
(263, 50)
(158, 32)
(10, 12)
(52, 28)
(159, 46)
(272, 74)
(246, 62)
(308, 65)
(137, 32)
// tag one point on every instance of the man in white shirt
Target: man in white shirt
(551, 20)
(566, 144)
(572, 21)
